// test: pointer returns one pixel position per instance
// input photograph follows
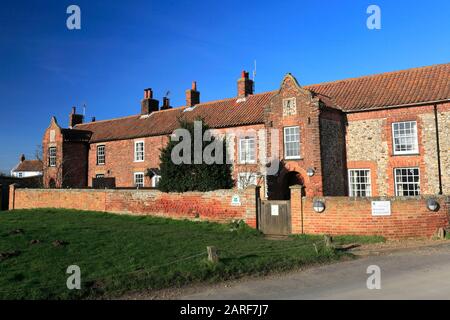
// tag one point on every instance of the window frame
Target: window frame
(351, 185)
(415, 149)
(104, 155)
(52, 157)
(134, 179)
(299, 156)
(136, 151)
(247, 148)
(396, 184)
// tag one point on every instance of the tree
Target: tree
(38, 152)
(189, 175)
(249, 176)
(59, 175)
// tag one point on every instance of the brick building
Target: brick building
(379, 135)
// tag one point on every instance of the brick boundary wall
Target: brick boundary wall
(211, 206)
(410, 217)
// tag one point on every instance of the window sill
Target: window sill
(405, 154)
(138, 160)
(293, 158)
(409, 197)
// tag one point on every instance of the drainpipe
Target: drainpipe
(438, 149)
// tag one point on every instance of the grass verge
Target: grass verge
(117, 253)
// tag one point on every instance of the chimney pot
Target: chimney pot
(148, 104)
(22, 158)
(166, 104)
(93, 119)
(149, 93)
(192, 95)
(245, 85)
(75, 118)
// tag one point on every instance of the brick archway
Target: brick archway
(279, 188)
(290, 178)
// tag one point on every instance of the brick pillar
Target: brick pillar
(252, 203)
(296, 209)
(12, 191)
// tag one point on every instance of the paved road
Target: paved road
(411, 274)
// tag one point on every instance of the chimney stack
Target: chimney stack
(22, 158)
(192, 95)
(75, 118)
(148, 104)
(245, 85)
(166, 104)
(93, 119)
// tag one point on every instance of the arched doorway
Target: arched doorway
(52, 183)
(291, 178)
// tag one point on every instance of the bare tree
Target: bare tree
(60, 174)
(247, 176)
(38, 152)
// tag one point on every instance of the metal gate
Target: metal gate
(275, 217)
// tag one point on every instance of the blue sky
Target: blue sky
(124, 47)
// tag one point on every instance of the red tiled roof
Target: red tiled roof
(217, 114)
(29, 165)
(389, 89)
(366, 93)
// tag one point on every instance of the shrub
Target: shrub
(190, 176)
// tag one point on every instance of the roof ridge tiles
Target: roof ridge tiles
(387, 73)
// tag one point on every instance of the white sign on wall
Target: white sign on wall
(381, 208)
(236, 200)
(275, 210)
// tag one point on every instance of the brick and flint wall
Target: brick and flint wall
(369, 146)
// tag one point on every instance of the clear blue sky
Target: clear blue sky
(125, 46)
